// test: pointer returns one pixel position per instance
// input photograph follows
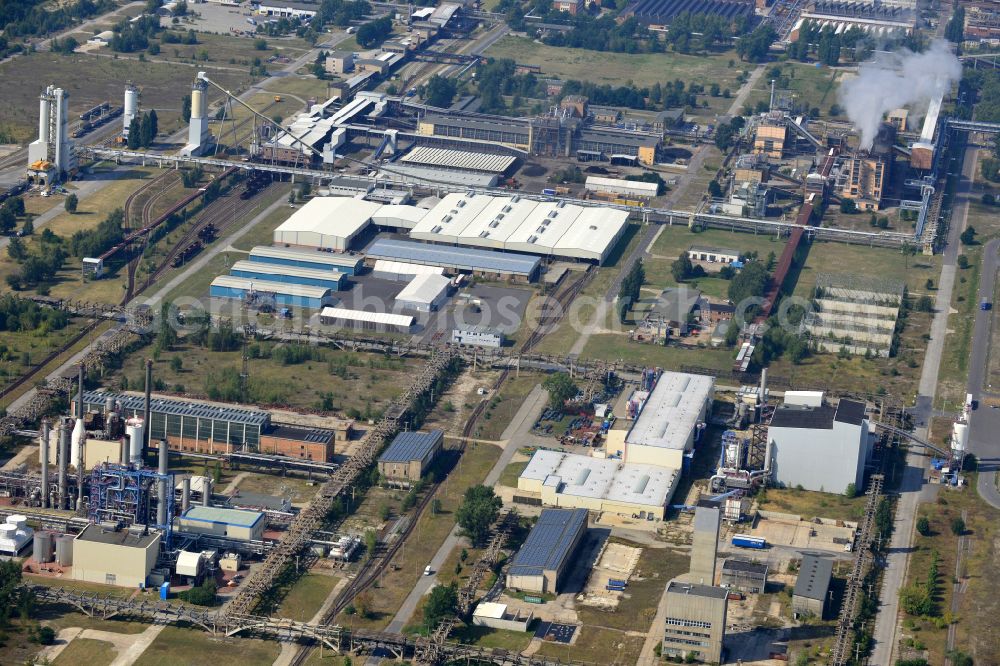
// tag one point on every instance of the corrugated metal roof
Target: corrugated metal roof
(387, 318)
(292, 271)
(180, 407)
(409, 446)
(453, 257)
(814, 576)
(403, 268)
(215, 514)
(459, 159)
(262, 253)
(672, 411)
(424, 288)
(426, 173)
(266, 286)
(616, 184)
(331, 216)
(550, 542)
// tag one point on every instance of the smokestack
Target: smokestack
(123, 456)
(62, 461)
(44, 455)
(79, 398)
(206, 497)
(146, 406)
(763, 386)
(770, 106)
(185, 494)
(161, 509)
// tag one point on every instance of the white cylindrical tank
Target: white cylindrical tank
(197, 102)
(959, 438)
(131, 106)
(43, 547)
(134, 430)
(64, 550)
(43, 117)
(76, 441)
(18, 521)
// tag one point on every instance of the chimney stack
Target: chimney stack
(62, 460)
(161, 509)
(146, 407)
(185, 494)
(44, 456)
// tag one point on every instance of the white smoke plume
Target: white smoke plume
(895, 80)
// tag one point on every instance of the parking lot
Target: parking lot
(494, 306)
(219, 19)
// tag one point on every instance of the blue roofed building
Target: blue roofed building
(544, 559)
(489, 264)
(409, 456)
(283, 256)
(255, 270)
(274, 294)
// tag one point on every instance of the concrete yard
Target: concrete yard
(802, 534)
(617, 561)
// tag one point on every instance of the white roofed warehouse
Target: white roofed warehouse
(424, 293)
(330, 223)
(366, 320)
(517, 224)
(599, 484)
(666, 426)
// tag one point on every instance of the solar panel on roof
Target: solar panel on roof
(409, 446)
(550, 541)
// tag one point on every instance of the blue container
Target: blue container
(165, 591)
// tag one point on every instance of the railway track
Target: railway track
(167, 180)
(373, 569)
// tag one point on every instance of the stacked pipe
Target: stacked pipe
(148, 426)
(44, 451)
(185, 494)
(62, 460)
(80, 446)
(161, 508)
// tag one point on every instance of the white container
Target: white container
(135, 429)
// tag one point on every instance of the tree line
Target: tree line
(36, 18)
(142, 130)
(19, 314)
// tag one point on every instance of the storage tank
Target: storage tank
(18, 521)
(76, 441)
(64, 550)
(43, 547)
(134, 430)
(131, 106)
(959, 438)
(109, 405)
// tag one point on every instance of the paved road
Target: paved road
(897, 557)
(519, 426)
(985, 422)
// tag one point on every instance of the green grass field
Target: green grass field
(86, 651)
(813, 86)
(881, 263)
(597, 645)
(307, 596)
(192, 646)
(617, 68)
(811, 505)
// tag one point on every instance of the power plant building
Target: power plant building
(517, 224)
(547, 554)
(599, 484)
(801, 434)
(695, 621)
(51, 154)
(122, 557)
(212, 428)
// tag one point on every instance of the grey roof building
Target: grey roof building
(695, 621)
(409, 455)
(812, 587)
(541, 563)
(744, 575)
(505, 264)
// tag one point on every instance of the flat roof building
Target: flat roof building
(705, 542)
(275, 293)
(478, 336)
(121, 557)
(517, 224)
(483, 263)
(743, 575)
(366, 320)
(326, 222)
(695, 621)
(282, 256)
(424, 293)
(710, 254)
(410, 455)
(599, 484)
(619, 186)
(665, 428)
(238, 524)
(255, 270)
(812, 587)
(800, 435)
(544, 558)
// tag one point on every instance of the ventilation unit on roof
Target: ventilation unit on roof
(545, 223)
(446, 219)
(499, 216)
(517, 197)
(437, 229)
(494, 224)
(593, 228)
(540, 230)
(532, 239)
(560, 204)
(507, 208)
(461, 203)
(552, 213)
(484, 233)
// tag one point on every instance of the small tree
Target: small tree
(28, 227)
(371, 542)
(923, 526)
(851, 491)
(925, 304)
(560, 387)
(479, 510)
(435, 506)
(70, 203)
(968, 236)
(363, 604)
(441, 603)
(176, 363)
(929, 284)
(957, 526)
(963, 261)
